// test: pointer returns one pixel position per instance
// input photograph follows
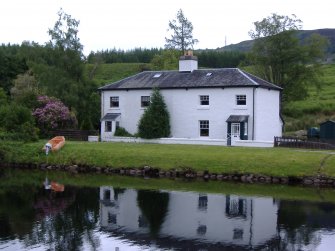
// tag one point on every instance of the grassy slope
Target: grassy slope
(267, 161)
(107, 73)
(317, 108)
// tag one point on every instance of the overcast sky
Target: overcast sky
(126, 24)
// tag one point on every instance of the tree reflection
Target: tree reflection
(17, 207)
(154, 207)
(60, 221)
(299, 222)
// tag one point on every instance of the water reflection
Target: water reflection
(43, 220)
(109, 218)
(226, 220)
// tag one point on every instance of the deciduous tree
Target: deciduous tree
(25, 90)
(64, 34)
(279, 57)
(3, 97)
(17, 123)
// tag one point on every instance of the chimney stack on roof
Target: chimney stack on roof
(188, 62)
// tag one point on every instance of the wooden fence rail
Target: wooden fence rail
(81, 135)
(301, 143)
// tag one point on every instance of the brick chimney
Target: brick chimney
(188, 62)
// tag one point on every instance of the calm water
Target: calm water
(109, 218)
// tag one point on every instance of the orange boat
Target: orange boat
(55, 143)
(57, 187)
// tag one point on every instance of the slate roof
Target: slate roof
(203, 78)
(237, 118)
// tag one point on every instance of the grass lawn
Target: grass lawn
(215, 159)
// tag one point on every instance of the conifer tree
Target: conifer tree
(182, 34)
(155, 121)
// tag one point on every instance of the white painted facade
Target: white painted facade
(186, 112)
(211, 218)
(262, 108)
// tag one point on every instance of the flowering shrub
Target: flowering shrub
(53, 114)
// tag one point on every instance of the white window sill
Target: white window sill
(244, 107)
(114, 108)
(203, 107)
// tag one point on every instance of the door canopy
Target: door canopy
(237, 118)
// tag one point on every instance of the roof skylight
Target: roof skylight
(157, 75)
(209, 74)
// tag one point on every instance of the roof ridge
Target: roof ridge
(216, 69)
(245, 75)
(160, 71)
(269, 83)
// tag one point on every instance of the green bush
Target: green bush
(17, 123)
(121, 132)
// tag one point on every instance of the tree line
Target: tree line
(206, 58)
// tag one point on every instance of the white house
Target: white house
(226, 106)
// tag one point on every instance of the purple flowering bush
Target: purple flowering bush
(53, 114)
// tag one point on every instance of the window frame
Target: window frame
(204, 128)
(204, 100)
(114, 103)
(241, 100)
(108, 125)
(145, 103)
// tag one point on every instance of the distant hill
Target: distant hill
(246, 46)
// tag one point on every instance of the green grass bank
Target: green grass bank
(279, 162)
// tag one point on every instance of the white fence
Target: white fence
(189, 141)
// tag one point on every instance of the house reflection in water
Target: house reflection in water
(206, 218)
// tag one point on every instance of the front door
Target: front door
(235, 132)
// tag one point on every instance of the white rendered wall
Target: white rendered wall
(185, 111)
(267, 119)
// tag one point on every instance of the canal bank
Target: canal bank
(187, 174)
(249, 165)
